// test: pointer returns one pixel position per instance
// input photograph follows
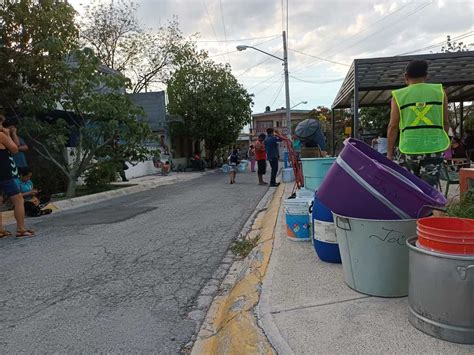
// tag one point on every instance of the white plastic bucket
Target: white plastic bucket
(288, 175)
(297, 219)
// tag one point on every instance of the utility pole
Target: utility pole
(287, 84)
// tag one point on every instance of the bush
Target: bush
(463, 209)
(101, 175)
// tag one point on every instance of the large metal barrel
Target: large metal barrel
(441, 294)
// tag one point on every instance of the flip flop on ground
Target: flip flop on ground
(27, 233)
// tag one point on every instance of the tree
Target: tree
(453, 46)
(212, 103)
(114, 32)
(375, 118)
(33, 37)
(96, 112)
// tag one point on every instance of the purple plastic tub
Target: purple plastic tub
(365, 184)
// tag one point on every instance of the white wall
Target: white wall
(141, 169)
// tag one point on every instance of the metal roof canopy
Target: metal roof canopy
(369, 82)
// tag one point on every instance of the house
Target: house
(276, 119)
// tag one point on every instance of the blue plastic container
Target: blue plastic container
(286, 159)
(321, 212)
(328, 252)
(324, 233)
(315, 170)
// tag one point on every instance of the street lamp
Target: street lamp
(299, 103)
(285, 67)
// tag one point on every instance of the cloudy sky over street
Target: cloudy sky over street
(336, 31)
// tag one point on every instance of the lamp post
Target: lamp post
(285, 69)
(299, 103)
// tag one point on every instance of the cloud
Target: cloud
(339, 30)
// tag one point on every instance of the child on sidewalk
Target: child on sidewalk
(34, 202)
(233, 162)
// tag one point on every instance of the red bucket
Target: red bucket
(446, 235)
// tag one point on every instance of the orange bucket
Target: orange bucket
(446, 235)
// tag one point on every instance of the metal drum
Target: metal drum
(441, 294)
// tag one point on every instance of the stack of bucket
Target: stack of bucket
(322, 224)
(375, 204)
(441, 278)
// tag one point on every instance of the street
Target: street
(121, 275)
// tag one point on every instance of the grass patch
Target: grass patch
(243, 247)
(463, 209)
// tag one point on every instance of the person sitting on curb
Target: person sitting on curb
(8, 172)
(34, 202)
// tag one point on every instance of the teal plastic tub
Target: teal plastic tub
(315, 170)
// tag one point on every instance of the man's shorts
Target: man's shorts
(425, 166)
(262, 167)
(9, 187)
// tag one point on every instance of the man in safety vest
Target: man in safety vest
(420, 113)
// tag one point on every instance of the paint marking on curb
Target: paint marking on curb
(231, 326)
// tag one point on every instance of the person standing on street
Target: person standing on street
(271, 147)
(261, 157)
(252, 159)
(8, 186)
(420, 113)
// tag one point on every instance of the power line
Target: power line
(317, 82)
(374, 23)
(320, 58)
(223, 25)
(209, 18)
(426, 4)
(302, 66)
(225, 53)
(277, 93)
(238, 39)
(462, 36)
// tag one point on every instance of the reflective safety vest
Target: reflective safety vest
(421, 108)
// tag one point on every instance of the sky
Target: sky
(324, 37)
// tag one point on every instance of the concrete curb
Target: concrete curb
(263, 309)
(230, 325)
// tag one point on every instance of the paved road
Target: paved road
(120, 276)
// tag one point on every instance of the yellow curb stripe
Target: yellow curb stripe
(234, 330)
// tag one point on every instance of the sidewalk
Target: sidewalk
(138, 184)
(306, 308)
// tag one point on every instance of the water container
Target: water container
(242, 167)
(225, 168)
(441, 294)
(315, 170)
(446, 235)
(305, 193)
(374, 254)
(286, 159)
(288, 175)
(365, 184)
(324, 233)
(297, 219)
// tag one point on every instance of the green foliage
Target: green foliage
(463, 209)
(375, 118)
(98, 112)
(213, 104)
(34, 35)
(101, 175)
(243, 247)
(120, 42)
(453, 46)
